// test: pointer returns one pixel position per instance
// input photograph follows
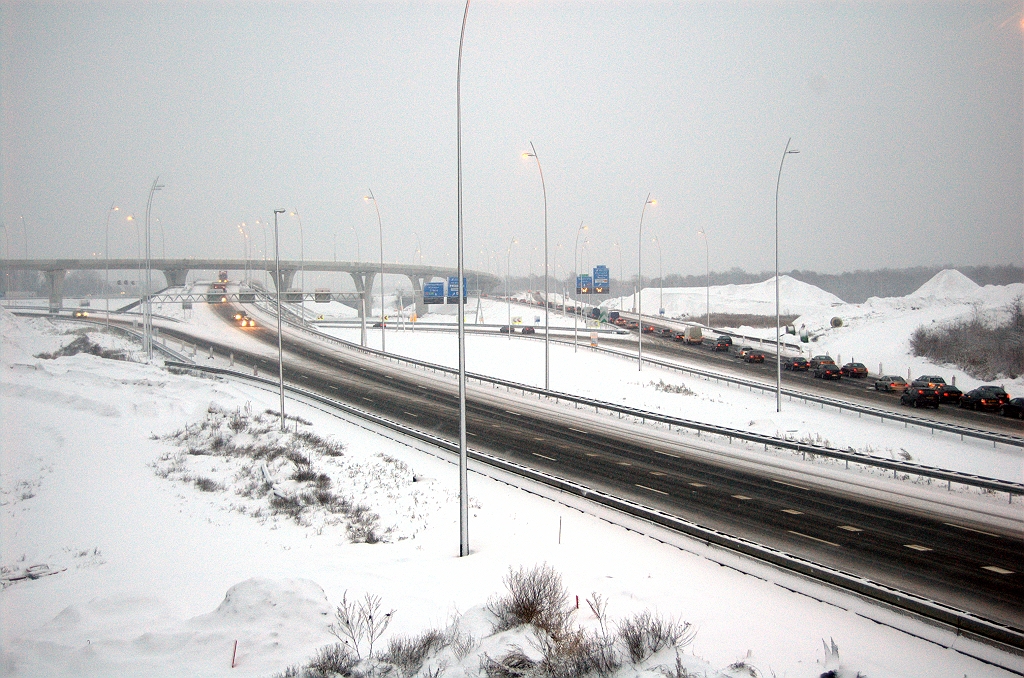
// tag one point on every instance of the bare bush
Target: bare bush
(207, 484)
(983, 350)
(536, 596)
(407, 653)
(331, 660)
(577, 653)
(647, 633)
(360, 623)
(513, 664)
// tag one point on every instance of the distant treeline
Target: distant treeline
(853, 287)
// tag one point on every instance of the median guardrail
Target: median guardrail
(993, 484)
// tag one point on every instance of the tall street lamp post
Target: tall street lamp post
(106, 260)
(547, 344)
(661, 279)
(280, 349)
(302, 266)
(463, 454)
(622, 273)
(508, 296)
(707, 266)
(778, 333)
(574, 282)
(380, 231)
(640, 283)
(147, 318)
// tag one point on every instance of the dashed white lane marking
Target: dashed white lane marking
(667, 454)
(577, 430)
(470, 433)
(742, 497)
(538, 438)
(850, 528)
(698, 484)
(623, 463)
(369, 400)
(514, 414)
(807, 536)
(411, 414)
(997, 569)
(332, 387)
(657, 473)
(970, 529)
(917, 547)
(644, 487)
(542, 456)
(793, 512)
(799, 487)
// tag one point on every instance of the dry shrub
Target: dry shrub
(647, 633)
(331, 660)
(536, 596)
(407, 653)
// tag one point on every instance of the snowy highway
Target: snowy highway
(877, 529)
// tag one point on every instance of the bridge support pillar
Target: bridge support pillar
(287, 274)
(417, 289)
(364, 286)
(55, 285)
(175, 276)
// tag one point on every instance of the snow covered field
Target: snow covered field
(158, 572)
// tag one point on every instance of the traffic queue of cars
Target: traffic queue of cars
(925, 391)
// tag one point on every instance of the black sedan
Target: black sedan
(949, 393)
(827, 371)
(855, 370)
(985, 398)
(1014, 407)
(920, 396)
(796, 364)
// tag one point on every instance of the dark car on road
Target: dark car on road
(754, 356)
(631, 325)
(1014, 407)
(722, 344)
(504, 329)
(891, 383)
(819, 359)
(920, 396)
(667, 333)
(744, 351)
(528, 330)
(855, 370)
(949, 393)
(648, 329)
(828, 371)
(985, 398)
(795, 363)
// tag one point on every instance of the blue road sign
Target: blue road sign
(453, 289)
(602, 281)
(433, 293)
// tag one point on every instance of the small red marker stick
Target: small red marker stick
(235, 651)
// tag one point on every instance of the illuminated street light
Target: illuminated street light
(778, 334)
(147, 309)
(508, 296)
(707, 265)
(547, 328)
(576, 277)
(106, 260)
(280, 349)
(640, 283)
(380, 230)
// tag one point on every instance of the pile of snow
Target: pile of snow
(795, 297)
(946, 286)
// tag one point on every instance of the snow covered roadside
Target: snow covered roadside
(151, 561)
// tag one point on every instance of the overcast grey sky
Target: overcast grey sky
(907, 116)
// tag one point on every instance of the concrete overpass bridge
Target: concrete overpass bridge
(175, 271)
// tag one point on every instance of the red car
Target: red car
(648, 329)
(855, 370)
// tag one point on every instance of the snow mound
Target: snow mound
(951, 285)
(268, 602)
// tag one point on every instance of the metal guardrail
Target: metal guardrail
(959, 477)
(963, 622)
(962, 431)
